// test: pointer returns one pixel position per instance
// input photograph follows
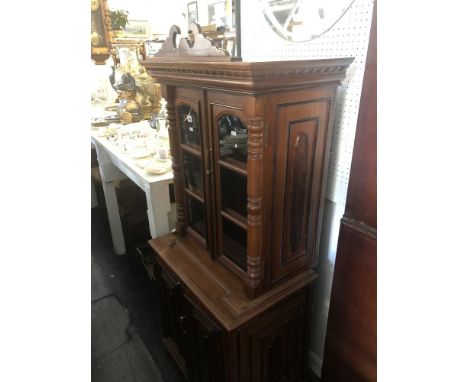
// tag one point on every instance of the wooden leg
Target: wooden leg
(159, 206)
(109, 173)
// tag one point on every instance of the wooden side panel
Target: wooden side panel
(300, 151)
(351, 346)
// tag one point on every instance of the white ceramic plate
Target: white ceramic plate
(139, 154)
(156, 169)
(142, 163)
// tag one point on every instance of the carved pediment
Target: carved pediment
(192, 47)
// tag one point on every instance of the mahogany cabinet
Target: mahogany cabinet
(249, 145)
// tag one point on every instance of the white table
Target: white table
(114, 166)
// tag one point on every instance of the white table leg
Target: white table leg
(159, 206)
(114, 218)
(109, 173)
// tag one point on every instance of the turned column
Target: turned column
(254, 204)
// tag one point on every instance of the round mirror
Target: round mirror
(303, 20)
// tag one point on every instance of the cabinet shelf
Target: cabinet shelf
(235, 252)
(192, 149)
(195, 195)
(235, 218)
(240, 168)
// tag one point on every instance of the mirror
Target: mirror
(303, 20)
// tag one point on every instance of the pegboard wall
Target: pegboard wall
(349, 37)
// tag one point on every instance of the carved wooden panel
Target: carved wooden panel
(192, 47)
(299, 152)
(302, 139)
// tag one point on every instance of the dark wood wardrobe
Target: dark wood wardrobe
(350, 353)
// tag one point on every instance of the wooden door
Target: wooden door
(272, 348)
(228, 129)
(206, 353)
(174, 315)
(192, 136)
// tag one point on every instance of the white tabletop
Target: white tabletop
(114, 165)
(125, 162)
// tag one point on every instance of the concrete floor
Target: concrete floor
(117, 352)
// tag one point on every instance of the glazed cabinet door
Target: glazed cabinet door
(193, 143)
(228, 128)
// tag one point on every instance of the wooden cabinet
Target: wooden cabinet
(249, 144)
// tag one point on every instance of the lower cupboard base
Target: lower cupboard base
(270, 345)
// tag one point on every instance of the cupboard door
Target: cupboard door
(206, 354)
(192, 143)
(300, 143)
(273, 348)
(229, 136)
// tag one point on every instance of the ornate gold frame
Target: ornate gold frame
(101, 32)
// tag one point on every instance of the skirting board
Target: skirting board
(315, 363)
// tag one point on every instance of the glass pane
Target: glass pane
(189, 125)
(232, 138)
(193, 173)
(235, 243)
(196, 215)
(233, 191)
